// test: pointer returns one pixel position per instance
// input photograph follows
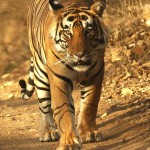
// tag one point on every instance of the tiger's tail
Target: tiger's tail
(28, 89)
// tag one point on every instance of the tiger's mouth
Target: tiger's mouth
(82, 66)
(82, 63)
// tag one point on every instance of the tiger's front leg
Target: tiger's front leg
(90, 95)
(63, 112)
(47, 129)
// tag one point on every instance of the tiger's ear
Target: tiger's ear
(98, 7)
(55, 4)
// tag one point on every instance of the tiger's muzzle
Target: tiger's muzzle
(80, 64)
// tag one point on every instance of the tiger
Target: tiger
(67, 41)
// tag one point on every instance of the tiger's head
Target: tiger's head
(78, 34)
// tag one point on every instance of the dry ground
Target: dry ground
(124, 110)
(124, 123)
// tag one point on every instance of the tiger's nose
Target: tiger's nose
(80, 54)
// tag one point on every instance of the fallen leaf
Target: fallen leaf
(104, 115)
(126, 91)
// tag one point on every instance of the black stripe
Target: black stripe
(46, 84)
(65, 79)
(44, 89)
(67, 12)
(62, 78)
(61, 24)
(58, 107)
(41, 8)
(83, 97)
(67, 98)
(58, 112)
(84, 8)
(29, 93)
(31, 68)
(101, 69)
(22, 84)
(44, 112)
(31, 81)
(45, 74)
(94, 76)
(37, 72)
(41, 100)
(47, 106)
(92, 66)
(55, 114)
(84, 92)
(62, 117)
(23, 91)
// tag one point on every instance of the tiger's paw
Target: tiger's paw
(89, 137)
(69, 142)
(47, 136)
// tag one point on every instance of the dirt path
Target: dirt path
(125, 126)
(124, 111)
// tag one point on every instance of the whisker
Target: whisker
(62, 68)
(67, 62)
(59, 61)
(97, 53)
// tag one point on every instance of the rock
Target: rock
(131, 45)
(32, 130)
(11, 96)
(127, 76)
(115, 55)
(140, 43)
(9, 83)
(104, 115)
(5, 76)
(142, 34)
(126, 92)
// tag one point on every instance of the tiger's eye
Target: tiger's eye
(68, 32)
(71, 18)
(90, 33)
(89, 30)
(83, 17)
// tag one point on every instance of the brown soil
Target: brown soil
(124, 110)
(124, 125)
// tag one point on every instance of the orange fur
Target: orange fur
(85, 65)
